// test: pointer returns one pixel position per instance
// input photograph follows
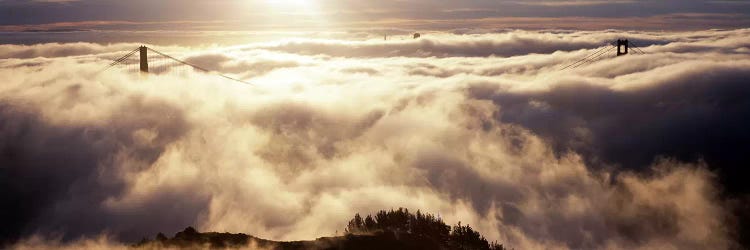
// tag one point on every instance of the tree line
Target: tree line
(422, 225)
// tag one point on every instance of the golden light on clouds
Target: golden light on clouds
(290, 3)
(328, 108)
(474, 127)
(289, 14)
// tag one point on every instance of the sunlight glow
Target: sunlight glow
(288, 2)
(291, 5)
(295, 13)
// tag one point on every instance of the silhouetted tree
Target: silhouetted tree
(394, 229)
(356, 225)
(370, 224)
(423, 226)
(189, 234)
(161, 237)
(464, 237)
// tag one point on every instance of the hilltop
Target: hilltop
(394, 229)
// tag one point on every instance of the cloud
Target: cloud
(691, 19)
(692, 111)
(51, 50)
(337, 14)
(257, 65)
(505, 43)
(55, 1)
(631, 152)
(573, 3)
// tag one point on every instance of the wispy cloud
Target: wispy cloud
(678, 21)
(562, 3)
(479, 127)
(55, 1)
(244, 15)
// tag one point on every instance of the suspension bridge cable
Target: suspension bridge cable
(198, 67)
(589, 58)
(167, 65)
(637, 48)
(119, 60)
(124, 57)
(597, 51)
(595, 56)
(593, 59)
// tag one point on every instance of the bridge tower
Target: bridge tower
(144, 59)
(620, 44)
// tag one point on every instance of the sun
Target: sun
(304, 7)
(290, 3)
(295, 9)
(297, 13)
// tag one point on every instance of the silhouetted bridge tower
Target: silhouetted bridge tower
(158, 63)
(620, 44)
(144, 58)
(623, 48)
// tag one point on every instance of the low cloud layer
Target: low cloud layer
(79, 15)
(482, 127)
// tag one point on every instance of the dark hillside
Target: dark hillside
(394, 229)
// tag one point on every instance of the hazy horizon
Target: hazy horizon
(516, 117)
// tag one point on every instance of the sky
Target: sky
(644, 151)
(19, 15)
(514, 117)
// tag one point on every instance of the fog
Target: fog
(482, 127)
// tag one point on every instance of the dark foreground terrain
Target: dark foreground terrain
(397, 229)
